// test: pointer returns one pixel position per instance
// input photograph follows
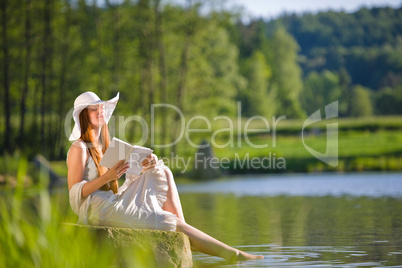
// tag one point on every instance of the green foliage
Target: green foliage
(366, 43)
(201, 63)
(35, 233)
(286, 74)
(363, 28)
(213, 74)
(252, 37)
(257, 99)
(389, 101)
(10, 171)
(360, 102)
(320, 89)
(166, 54)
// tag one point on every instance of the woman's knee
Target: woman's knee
(181, 225)
(168, 173)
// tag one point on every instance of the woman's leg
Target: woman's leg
(206, 244)
(199, 241)
(172, 204)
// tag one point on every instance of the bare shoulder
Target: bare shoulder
(78, 143)
(77, 153)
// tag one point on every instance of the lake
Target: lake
(325, 220)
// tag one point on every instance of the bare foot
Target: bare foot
(244, 256)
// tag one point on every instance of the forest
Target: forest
(202, 63)
(209, 66)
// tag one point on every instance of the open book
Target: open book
(119, 150)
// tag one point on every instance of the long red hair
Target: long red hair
(88, 136)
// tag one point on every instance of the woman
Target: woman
(148, 201)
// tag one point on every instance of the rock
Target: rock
(167, 249)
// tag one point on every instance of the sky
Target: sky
(273, 8)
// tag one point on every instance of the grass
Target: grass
(358, 150)
(33, 233)
(351, 144)
(294, 126)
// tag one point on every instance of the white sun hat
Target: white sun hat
(83, 101)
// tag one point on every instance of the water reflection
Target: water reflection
(296, 257)
(333, 231)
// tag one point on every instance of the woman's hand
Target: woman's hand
(115, 172)
(149, 162)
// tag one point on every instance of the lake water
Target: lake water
(326, 220)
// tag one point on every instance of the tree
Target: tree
(64, 78)
(6, 77)
(286, 73)
(189, 31)
(213, 74)
(46, 73)
(365, 43)
(163, 80)
(344, 83)
(256, 99)
(27, 71)
(360, 102)
(320, 89)
(389, 101)
(252, 37)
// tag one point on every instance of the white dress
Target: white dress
(138, 203)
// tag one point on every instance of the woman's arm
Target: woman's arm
(76, 166)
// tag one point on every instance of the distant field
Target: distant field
(365, 150)
(373, 143)
(357, 137)
(292, 126)
(351, 144)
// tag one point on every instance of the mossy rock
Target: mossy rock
(157, 248)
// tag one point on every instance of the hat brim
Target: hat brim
(110, 105)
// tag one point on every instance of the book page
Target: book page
(121, 150)
(136, 157)
(117, 150)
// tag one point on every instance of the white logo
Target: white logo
(331, 154)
